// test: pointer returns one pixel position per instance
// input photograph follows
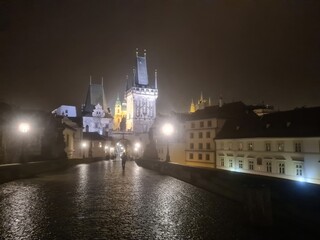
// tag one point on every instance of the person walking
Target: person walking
(124, 160)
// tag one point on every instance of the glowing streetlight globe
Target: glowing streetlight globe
(137, 145)
(167, 129)
(24, 127)
(84, 144)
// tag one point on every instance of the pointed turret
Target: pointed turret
(127, 82)
(156, 79)
(192, 107)
(220, 101)
(95, 95)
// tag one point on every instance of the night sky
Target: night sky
(253, 51)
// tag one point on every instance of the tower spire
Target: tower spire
(156, 79)
(127, 80)
(220, 101)
(192, 107)
(90, 80)
(134, 77)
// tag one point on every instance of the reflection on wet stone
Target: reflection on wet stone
(98, 201)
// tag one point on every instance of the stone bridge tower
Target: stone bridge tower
(141, 96)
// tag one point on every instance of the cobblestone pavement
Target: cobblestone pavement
(100, 201)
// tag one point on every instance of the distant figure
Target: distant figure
(124, 160)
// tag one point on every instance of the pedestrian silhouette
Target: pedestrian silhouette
(123, 160)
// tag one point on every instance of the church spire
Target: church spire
(192, 107)
(127, 84)
(220, 101)
(134, 77)
(156, 79)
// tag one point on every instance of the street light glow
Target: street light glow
(24, 127)
(137, 145)
(84, 144)
(167, 129)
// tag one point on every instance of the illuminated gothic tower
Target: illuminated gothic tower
(141, 96)
(120, 113)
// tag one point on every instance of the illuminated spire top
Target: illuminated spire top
(192, 107)
(155, 79)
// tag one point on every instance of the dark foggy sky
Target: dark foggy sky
(249, 50)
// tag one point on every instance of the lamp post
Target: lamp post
(167, 130)
(137, 147)
(24, 129)
(83, 147)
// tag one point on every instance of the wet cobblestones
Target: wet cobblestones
(100, 201)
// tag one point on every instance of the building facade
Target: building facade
(282, 144)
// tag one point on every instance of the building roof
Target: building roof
(95, 95)
(300, 122)
(227, 111)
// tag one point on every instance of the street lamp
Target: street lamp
(24, 129)
(167, 130)
(136, 149)
(83, 146)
